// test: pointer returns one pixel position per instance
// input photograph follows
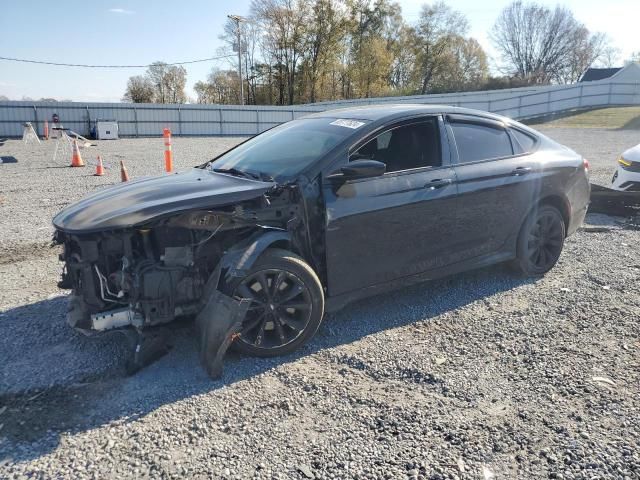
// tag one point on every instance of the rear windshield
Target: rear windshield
(284, 151)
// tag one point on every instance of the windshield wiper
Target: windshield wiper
(237, 173)
(246, 174)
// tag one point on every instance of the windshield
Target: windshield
(286, 150)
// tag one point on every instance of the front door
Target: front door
(398, 224)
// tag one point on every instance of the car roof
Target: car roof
(393, 111)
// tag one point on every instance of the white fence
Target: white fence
(149, 119)
(522, 103)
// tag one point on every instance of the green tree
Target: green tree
(324, 32)
(437, 27)
(465, 66)
(371, 31)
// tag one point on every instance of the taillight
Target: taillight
(585, 164)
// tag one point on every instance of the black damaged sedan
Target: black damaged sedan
(258, 243)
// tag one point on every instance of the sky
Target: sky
(139, 32)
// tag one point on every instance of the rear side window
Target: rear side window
(524, 142)
(479, 142)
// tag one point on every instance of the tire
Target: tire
(270, 328)
(540, 241)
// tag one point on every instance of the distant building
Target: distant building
(628, 74)
(598, 74)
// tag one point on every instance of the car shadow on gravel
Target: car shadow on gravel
(55, 381)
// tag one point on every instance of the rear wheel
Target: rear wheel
(287, 304)
(540, 241)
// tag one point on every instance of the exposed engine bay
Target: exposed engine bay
(151, 274)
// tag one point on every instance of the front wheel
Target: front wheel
(287, 304)
(540, 241)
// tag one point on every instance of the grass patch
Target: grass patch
(625, 118)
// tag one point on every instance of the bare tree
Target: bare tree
(284, 23)
(541, 45)
(139, 90)
(222, 86)
(587, 49)
(3, 98)
(635, 58)
(155, 74)
(250, 36)
(610, 56)
(168, 82)
(175, 79)
(203, 92)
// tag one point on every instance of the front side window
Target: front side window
(479, 142)
(406, 147)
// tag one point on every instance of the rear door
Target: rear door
(398, 224)
(497, 184)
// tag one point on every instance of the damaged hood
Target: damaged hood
(135, 202)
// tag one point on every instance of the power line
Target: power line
(82, 65)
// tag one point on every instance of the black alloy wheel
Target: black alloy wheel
(541, 241)
(286, 307)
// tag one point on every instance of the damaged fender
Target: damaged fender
(221, 316)
(238, 260)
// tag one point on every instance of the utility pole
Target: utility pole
(238, 19)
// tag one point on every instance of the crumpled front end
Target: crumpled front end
(148, 275)
(140, 276)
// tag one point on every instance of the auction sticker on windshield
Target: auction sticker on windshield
(347, 123)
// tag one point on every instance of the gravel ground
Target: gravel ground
(601, 147)
(25, 217)
(477, 375)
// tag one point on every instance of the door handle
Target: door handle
(438, 183)
(521, 171)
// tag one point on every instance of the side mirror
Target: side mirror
(361, 169)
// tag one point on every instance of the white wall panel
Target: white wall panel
(150, 119)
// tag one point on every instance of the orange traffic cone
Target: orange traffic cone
(124, 175)
(99, 168)
(168, 154)
(76, 159)
(46, 130)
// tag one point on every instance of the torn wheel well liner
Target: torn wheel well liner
(237, 261)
